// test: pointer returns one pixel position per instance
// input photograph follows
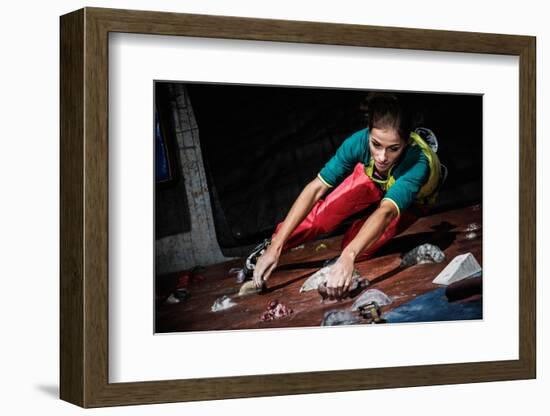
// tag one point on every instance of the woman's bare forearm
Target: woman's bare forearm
(299, 210)
(371, 230)
(340, 279)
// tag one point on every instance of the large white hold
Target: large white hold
(321, 276)
(459, 268)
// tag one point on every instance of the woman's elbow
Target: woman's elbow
(318, 188)
(389, 210)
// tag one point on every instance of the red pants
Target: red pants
(356, 193)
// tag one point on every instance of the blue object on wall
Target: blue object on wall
(434, 306)
(162, 164)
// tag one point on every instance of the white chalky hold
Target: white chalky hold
(461, 267)
(222, 303)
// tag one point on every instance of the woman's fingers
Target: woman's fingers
(259, 272)
(269, 271)
(339, 291)
(257, 277)
(334, 289)
(347, 285)
(338, 285)
(331, 293)
(266, 275)
(264, 267)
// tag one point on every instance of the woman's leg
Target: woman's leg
(353, 195)
(397, 226)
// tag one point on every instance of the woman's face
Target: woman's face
(385, 147)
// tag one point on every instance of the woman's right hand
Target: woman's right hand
(299, 210)
(265, 265)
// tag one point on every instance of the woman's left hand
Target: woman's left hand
(339, 280)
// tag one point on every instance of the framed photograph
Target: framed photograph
(240, 196)
(260, 146)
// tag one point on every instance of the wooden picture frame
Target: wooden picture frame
(84, 207)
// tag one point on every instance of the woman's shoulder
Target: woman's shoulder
(413, 157)
(356, 140)
(359, 139)
(362, 134)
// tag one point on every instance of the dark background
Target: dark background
(262, 145)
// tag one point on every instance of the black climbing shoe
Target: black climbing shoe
(253, 257)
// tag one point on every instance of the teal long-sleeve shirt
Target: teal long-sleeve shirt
(404, 180)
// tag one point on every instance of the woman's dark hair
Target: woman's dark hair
(387, 110)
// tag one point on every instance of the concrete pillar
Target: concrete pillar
(199, 247)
